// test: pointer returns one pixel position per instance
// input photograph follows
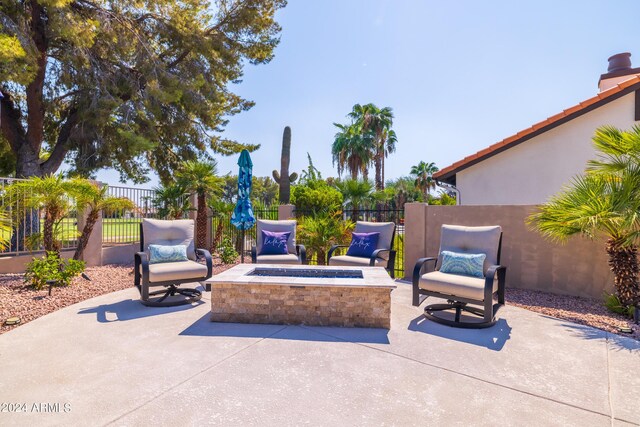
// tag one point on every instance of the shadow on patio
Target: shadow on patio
(131, 309)
(493, 338)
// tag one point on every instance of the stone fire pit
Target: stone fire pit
(309, 295)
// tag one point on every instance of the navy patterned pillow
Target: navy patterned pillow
(161, 253)
(463, 264)
(274, 243)
(363, 244)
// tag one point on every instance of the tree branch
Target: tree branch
(61, 148)
(10, 123)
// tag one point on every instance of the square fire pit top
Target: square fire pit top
(305, 275)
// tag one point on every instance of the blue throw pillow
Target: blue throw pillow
(463, 264)
(363, 244)
(160, 253)
(274, 243)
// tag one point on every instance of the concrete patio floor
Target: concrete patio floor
(112, 361)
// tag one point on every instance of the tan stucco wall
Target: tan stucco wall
(529, 173)
(577, 268)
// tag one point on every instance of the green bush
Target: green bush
(52, 267)
(613, 304)
(227, 252)
(316, 196)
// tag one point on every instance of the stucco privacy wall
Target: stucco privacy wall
(578, 267)
(530, 172)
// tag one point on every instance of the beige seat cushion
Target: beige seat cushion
(357, 261)
(176, 271)
(169, 233)
(455, 285)
(278, 259)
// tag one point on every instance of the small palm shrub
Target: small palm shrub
(613, 304)
(52, 267)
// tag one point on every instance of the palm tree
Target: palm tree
(93, 199)
(5, 231)
(321, 231)
(352, 151)
(376, 122)
(171, 201)
(49, 195)
(356, 193)
(424, 177)
(603, 201)
(200, 178)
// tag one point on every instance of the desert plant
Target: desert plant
(283, 178)
(605, 201)
(52, 267)
(356, 193)
(319, 232)
(227, 252)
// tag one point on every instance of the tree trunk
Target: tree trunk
(218, 235)
(623, 261)
(201, 222)
(48, 238)
(92, 218)
(378, 166)
(321, 257)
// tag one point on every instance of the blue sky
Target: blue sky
(459, 75)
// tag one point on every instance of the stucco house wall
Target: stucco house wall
(528, 173)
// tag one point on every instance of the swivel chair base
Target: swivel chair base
(167, 297)
(460, 307)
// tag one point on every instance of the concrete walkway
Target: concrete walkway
(111, 361)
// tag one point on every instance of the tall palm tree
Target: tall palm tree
(369, 119)
(352, 151)
(605, 201)
(424, 177)
(200, 178)
(92, 199)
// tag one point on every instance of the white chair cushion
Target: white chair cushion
(182, 270)
(455, 285)
(357, 261)
(169, 233)
(278, 259)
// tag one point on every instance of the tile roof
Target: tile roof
(602, 98)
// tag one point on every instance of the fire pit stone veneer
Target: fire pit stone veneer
(240, 295)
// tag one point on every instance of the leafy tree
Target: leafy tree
(264, 190)
(403, 190)
(604, 201)
(93, 199)
(200, 178)
(171, 201)
(375, 123)
(315, 197)
(423, 173)
(125, 84)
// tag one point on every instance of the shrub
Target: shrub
(52, 267)
(613, 304)
(227, 252)
(316, 196)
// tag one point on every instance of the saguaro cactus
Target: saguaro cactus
(283, 178)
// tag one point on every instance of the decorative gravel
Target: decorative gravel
(585, 311)
(18, 299)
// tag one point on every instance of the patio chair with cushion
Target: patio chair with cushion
(371, 245)
(276, 243)
(466, 271)
(168, 258)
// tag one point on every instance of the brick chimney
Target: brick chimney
(619, 70)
